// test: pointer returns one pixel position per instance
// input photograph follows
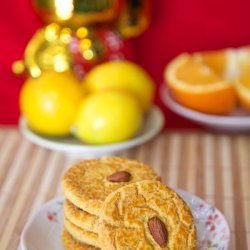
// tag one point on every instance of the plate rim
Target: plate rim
(61, 199)
(71, 148)
(209, 119)
(22, 244)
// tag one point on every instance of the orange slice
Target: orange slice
(243, 82)
(216, 60)
(198, 86)
(243, 89)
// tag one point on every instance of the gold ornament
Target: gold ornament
(134, 17)
(49, 47)
(47, 50)
(76, 13)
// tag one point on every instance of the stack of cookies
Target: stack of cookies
(117, 203)
(86, 186)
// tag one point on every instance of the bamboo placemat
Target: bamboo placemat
(215, 167)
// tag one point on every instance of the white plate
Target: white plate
(43, 230)
(238, 121)
(153, 123)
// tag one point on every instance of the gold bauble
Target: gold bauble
(134, 17)
(48, 50)
(49, 47)
(76, 13)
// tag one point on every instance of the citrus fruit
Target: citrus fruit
(242, 75)
(216, 60)
(107, 117)
(122, 75)
(243, 87)
(197, 86)
(50, 102)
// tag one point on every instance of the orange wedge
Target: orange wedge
(198, 86)
(243, 81)
(216, 60)
(243, 87)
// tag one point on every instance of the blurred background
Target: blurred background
(176, 26)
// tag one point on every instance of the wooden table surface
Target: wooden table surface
(215, 167)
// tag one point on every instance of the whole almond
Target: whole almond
(121, 176)
(158, 231)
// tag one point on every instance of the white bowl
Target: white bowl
(237, 121)
(73, 147)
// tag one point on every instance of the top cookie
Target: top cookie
(88, 183)
(146, 215)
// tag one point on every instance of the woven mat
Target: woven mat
(215, 167)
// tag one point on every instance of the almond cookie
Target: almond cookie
(81, 235)
(80, 217)
(88, 183)
(146, 215)
(70, 243)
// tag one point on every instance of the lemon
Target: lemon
(50, 102)
(107, 117)
(122, 75)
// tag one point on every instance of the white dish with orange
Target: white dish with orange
(237, 121)
(212, 83)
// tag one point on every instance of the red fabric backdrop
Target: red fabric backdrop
(177, 26)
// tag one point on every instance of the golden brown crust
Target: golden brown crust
(86, 184)
(70, 243)
(80, 217)
(81, 235)
(125, 214)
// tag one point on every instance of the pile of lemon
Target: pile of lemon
(212, 82)
(107, 107)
